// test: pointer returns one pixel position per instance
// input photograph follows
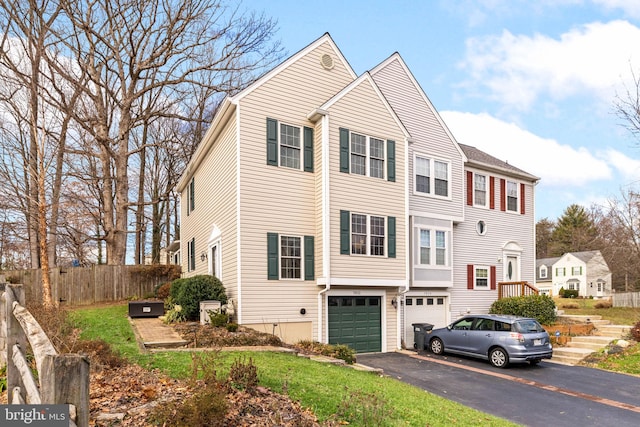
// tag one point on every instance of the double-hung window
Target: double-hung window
(290, 146)
(367, 155)
(479, 189)
(512, 196)
(432, 176)
(543, 272)
(367, 235)
(290, 257)
(433, 247)
(576, 271)
(191, 199)
(481, 277)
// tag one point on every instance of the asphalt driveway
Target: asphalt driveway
(548, 394)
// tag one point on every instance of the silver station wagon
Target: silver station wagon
(500, 339)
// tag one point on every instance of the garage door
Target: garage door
(423, 310)
(356, 322)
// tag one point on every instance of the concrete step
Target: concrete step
(618, 331)
(580, 317)
(592, 342)
(571, 352)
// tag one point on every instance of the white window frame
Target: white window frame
(300, 148)
(560, 271)
(476, 175)
(578, 269)
(368, 157)
(433, 247)
(281, 256)
(432, 179)
(517, 196)
(476, 268)
(369, 235)
(543, 272)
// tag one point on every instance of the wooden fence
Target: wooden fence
(64, 379)
(98, 283)
(515, 289)
(626, 299)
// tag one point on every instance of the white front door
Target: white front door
(512, 269)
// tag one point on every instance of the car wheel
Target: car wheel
(499, 357)
(436, 346)
(534, 362)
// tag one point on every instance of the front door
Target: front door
(511, 269)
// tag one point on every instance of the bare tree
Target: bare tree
(627, 106)
(139, 50)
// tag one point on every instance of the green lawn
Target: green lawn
(321, 387)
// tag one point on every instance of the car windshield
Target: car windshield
(528, 325)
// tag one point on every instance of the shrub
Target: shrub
(570, 293)
(570, 305)
(540, 307)
(635, 332)
(162, 291)
(232, 327)
(603, 304)
(243, 375)
(188, 293)
(337, 351)
(218, 318)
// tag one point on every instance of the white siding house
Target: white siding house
(335, 207)
(586, 272)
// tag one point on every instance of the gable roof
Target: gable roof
(397, 58)
(325, 38)
(476, 157)
(584, 256)
(366, 77)
(228, 106)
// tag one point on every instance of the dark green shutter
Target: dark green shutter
(272, 256)
(345, 227)
(272, 142)
(344, 150)
(192, 255)
(308, 149)
(192, 195)
(391, 161)
(392, 236)
(309, 258)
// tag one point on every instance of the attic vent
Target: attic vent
(326, 61)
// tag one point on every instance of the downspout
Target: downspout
(407, 245)
(238, 214)
(326, 216)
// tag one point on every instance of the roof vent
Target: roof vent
(326, 61)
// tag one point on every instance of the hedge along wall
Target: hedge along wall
(98, 283)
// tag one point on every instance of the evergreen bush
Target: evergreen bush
(540, 307)
(188, 293)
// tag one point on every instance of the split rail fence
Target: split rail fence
(63, 378)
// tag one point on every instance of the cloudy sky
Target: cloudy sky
(531, 82)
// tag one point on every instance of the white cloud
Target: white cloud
(627, 167)
(556, 164)
(516, 69)
(630, 7)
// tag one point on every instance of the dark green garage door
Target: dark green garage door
(356, 322)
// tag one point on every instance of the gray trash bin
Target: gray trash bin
(420, 331)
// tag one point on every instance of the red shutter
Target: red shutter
(503, 195)
(493, 277)
(469, 188)
(522, 199)
(492, 192)
(469, 276)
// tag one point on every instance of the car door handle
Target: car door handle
(488, 335)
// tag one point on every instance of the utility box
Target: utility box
(146, 308)
(205, 307)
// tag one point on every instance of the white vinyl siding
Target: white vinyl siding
(429, 139)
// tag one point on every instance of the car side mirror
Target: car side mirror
(449, 327)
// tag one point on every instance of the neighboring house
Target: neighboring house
(587, 272)
(544, 270)
(339, 208)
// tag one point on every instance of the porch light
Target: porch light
(203, 256)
